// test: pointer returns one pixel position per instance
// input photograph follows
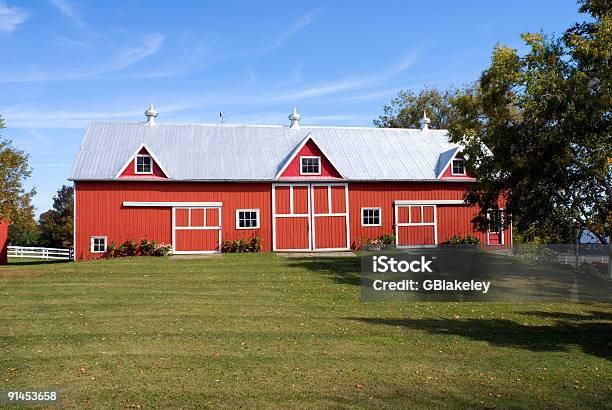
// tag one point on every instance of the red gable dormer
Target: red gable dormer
(143, 164)
(308, 150)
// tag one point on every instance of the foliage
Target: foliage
(242, 245)
(56, 225)
(146, 247)
(143, 248)
(24, 231)
(387, 239)
(128, 248)
(458, 240)
(162, 250)
(405, 110)
(545, 117)
(15, 201)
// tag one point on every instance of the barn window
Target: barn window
(247, 218)
(98, 244)
(310, 165)
(496, 220)
(370, 216)
(458, 167)
(144, 164)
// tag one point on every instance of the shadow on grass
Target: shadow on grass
(591, 333)
(342, 270)
(27, 262)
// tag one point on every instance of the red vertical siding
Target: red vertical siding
(310, 149)
(99, 210)
(330, 232)
(193, 240)
(3, 242)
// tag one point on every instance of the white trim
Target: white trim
(151, 154)
(257, 219)
(189, 207)
(302, 157)
(175, 204)
(453, 167)
(501, 233)
(431, 202)
(136, 172)
(448, 163)
(311, 215)
(91, 244)
(410, 205)
(307, 138)
(379, 209)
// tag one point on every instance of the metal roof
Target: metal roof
(252, 152)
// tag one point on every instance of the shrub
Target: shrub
(111, 250)
(162, 250)
(458, 240)
(242, 245)
(387, 239)
(147, 248)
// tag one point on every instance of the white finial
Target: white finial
(424, 122)
(151, 113)
(294, 117)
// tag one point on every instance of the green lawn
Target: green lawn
(263, 331)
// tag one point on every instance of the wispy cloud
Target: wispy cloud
(68, 9)
(70, 43)
(295, 28)
(251, 75)
(355, 82)
(126, 58)
(11, 17)
(297, 73)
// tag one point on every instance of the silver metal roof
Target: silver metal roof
(251, 152)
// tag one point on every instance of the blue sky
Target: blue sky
(68, 62)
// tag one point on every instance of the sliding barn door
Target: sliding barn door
(415, 225)
(196, 230)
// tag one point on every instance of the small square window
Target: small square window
(458, 167)
(370, 216)
(144, 164)
(247, 218)
(98, 244)
(310, 165)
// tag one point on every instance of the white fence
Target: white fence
(39, 253)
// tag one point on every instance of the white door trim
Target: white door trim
(210, 205)
(311, 215)
(409, 205)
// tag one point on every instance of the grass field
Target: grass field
(263, 331)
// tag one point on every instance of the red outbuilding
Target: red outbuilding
(3, 242)
(298, 188)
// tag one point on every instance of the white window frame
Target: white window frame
(136, 164)
(257, 218)
(453, 167)
(91, 244)
(372, 209)
(310, 173)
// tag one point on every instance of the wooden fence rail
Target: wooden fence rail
(40, 253)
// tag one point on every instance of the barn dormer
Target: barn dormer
(452, 164)
(308, 161)
(143, 164)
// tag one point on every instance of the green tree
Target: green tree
(56, 225)
(546, 118)
(15, 202)
(405, 110)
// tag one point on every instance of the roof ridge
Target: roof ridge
(266, 126)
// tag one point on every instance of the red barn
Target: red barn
(298, 188)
